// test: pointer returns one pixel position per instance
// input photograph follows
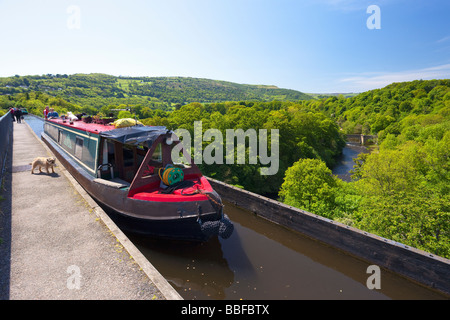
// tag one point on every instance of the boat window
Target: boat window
(51, 131)
(141, 151)
(129, 170)
(105, 156)
(66, 142)
(155, 162)
(79, 147)
(128, 156)
(108, 168)
(157, 155)
(59, 136)
(111, 157)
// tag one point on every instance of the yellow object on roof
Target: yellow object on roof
(125, 122)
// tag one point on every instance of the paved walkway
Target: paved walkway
(61, 244)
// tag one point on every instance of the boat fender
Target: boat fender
(210, 228)
(223, 227)
(226, 227)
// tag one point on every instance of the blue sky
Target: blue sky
(306, 45)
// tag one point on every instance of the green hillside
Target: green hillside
(98, 90)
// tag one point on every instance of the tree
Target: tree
(124, 114)
(406, 192)
(309, 185)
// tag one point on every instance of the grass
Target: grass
(125, 83)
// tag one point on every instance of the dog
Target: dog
(43, 162)
(71, 116)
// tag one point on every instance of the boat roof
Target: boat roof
(81, 125)
(134, 135)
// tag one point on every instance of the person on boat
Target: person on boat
(46, 111)
(12, 114)
(52, 114)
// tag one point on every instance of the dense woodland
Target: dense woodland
(400, 190)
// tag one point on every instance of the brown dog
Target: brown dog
(43, 162)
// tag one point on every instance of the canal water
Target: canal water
(35, 123)
(265, 261)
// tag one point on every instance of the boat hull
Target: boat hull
(173, 220)
(184, 229)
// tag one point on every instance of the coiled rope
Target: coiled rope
(171, 175)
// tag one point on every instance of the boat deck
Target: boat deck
(81, 125)
(154, 193)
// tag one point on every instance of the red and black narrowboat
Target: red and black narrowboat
(129, 171)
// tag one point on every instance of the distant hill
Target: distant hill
(96, 90)
(327, 95)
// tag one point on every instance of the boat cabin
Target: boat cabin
(132, 157)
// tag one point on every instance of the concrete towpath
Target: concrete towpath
(62, 245)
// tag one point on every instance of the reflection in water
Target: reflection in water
(198, 270)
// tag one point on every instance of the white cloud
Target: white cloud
(444, 39)
(369, 81)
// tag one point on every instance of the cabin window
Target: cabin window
(110, 153)
(88, 153)
(108, 161)
(128, 156)
(79, 147)
(106, 154)
(155, 162)
(141, 151)
(124, 159)
(51, 131)
(59, 136)
(157, 155)
(129, 162)
(67, 142)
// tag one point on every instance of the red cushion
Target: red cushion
(152, 194)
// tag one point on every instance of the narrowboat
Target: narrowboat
(130, 173)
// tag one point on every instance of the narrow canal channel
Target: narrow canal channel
(262, 260)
